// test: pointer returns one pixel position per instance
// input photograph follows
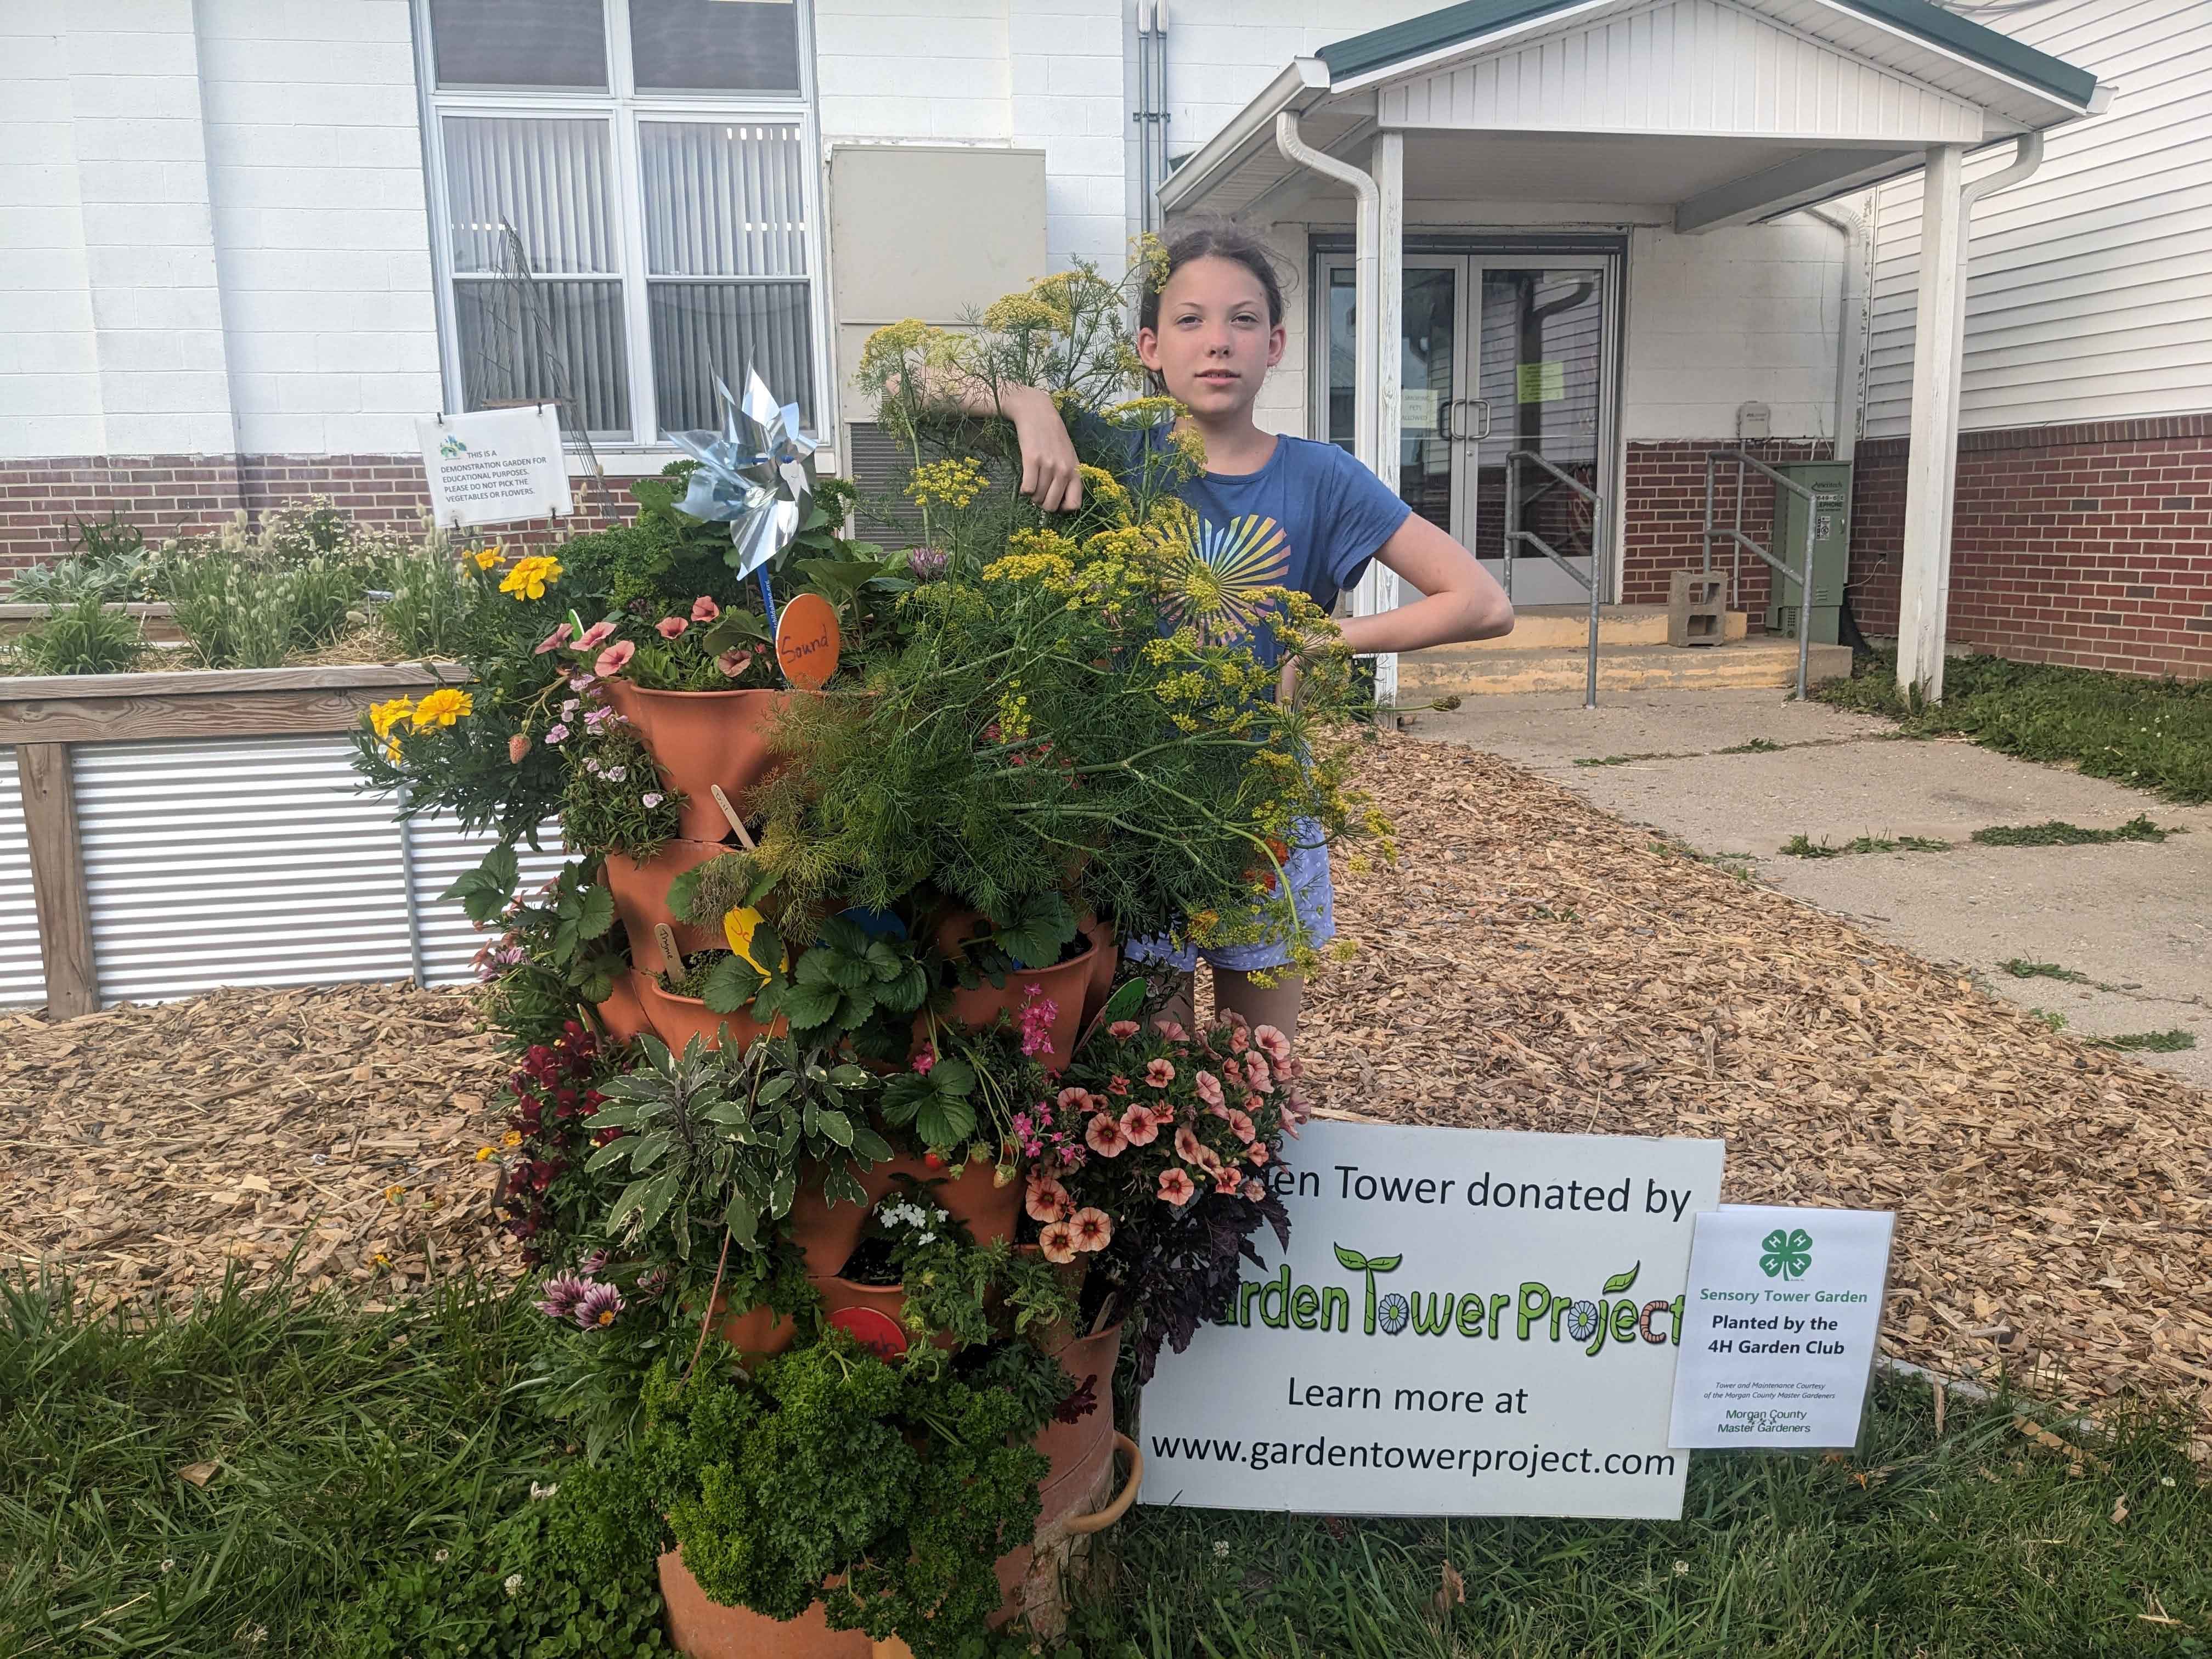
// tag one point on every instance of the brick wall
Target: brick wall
(1665, 515)
(166, 495)
(2089, 546)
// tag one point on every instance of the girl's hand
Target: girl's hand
(1286, 683)
(1050, 477)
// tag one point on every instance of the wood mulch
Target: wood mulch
(1529, 964)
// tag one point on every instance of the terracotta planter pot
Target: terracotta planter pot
(1079, 1502)
(759, 1332)
(826, 1234)
(1064, 983)
(676, 1020)
(701, 738)
(1073, 1445)
(889, 1300)
(704, 1629)
(641, 896)
(1105, 959)
(622, 1013)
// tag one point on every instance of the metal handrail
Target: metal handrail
(1738, 541)
(1515, 533)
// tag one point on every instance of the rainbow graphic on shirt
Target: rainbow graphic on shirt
(1221, 580)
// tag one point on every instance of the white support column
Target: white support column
(1378, 589)
(1932, 465)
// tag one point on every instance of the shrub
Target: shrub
(429, 610)
(81, 637)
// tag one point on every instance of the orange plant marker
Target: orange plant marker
(807, 640)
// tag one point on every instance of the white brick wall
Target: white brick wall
(315, 171)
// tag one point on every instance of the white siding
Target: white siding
(2090, 294)
(1683, 66)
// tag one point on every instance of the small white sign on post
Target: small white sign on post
(1783, 1307)
(1467, 1322)
(495, 466)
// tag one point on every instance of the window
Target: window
(654, 160)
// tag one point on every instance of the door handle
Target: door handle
(1481, 406)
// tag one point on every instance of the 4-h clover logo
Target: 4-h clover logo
(1788, 1253)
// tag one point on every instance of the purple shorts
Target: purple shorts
(1312, 894)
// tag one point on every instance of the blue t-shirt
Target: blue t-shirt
(1310, 519)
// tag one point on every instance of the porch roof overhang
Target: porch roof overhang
(1719, 112)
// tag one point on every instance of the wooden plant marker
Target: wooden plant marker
(744, 838)
(665, 937)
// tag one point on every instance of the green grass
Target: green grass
(2155, 734)
(1624, 760)
(2021, 968)
(2059, 833)
(2156, 1042)
(1756, 746)
(1804, 847)
(351, 1447)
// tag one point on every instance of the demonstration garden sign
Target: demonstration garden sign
(1468, 1321)
(495, 466)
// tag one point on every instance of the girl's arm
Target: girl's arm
(1461, 600)
(1049, 476)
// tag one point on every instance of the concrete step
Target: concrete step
(1470, 671)
(1539, 625)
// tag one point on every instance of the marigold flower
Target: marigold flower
(614, 658)
(383, 716)
(486, 558)
(531, 577)
(1175, 1187)
(704, 609)
(1137, 1127)
(1093, 1229)
(1159, 1074)
(1057, 1241)
(668, 627)
(442, 707)
(1105, 1137)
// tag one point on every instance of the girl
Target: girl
(1273, 511)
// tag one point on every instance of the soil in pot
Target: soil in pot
(641, 895)
(676, 1020)
(701, 739)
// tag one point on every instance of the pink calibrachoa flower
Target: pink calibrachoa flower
(517, 747)
(1229, 1179)
(1047, 1200)
(1256, 1074)
(1057, 1241)
(734, 662)
(614, 658)
(1093, 1229)
(1117, 1085)
(1256, 1153)
(1170, 1029)
(668, 627)
(1188, 1146)
(1159, 1074)
(1122, 1030)
(553, 642)
(1175, 1187)
(1072, 1104)
(1254, 1190)
(1273, 1041)
(1137, 1127)
(1239, 1038)
(924, 1058)
(1208, 1087)
(704, 609)
(593, 637)
(1104, 1136)
(598, 1307)
(1241, 1127)
(563, 1293)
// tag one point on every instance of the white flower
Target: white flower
(537, 1491)
(442, 1555)
(1680, 1568)
(513, 1584)
(1221, 1549)
(168, 1564)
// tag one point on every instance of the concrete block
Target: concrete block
(1697, 608)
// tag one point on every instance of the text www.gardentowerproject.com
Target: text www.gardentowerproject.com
(1529, 1461)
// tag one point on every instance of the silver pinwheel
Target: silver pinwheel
(751, 475)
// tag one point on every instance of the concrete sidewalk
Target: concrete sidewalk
(2135, 918)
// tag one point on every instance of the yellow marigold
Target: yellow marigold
(486, 558)
(952, 483)
(531, 577)
(392, 751)
(383, 716)
(442, 707)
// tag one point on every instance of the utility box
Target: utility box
(1831, 484)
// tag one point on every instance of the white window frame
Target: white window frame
(623, 107)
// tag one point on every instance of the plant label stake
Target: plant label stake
(807, 641)
(665, 937)
(744, 838)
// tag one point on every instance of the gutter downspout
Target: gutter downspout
(1850, 326)
(1366, 284)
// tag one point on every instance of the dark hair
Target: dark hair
(1216, 241)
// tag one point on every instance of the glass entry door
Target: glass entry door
(1498, 353)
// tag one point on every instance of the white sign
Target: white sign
(495, 465)
(1419, 407)
(1784, 1306)
(1468, 1321)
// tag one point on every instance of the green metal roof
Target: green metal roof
(1470, 20)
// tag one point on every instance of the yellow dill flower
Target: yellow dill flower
(895, 346)
(442, 707)
(1146, 412)
(1189, 445)
(1049, 543)
(1152, 254)
(952, 483)
(1049, 569)
(486, 558)
(1105, 488)
(383, 716)
(1014, 723)
(531, 577)
(1020, 311)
